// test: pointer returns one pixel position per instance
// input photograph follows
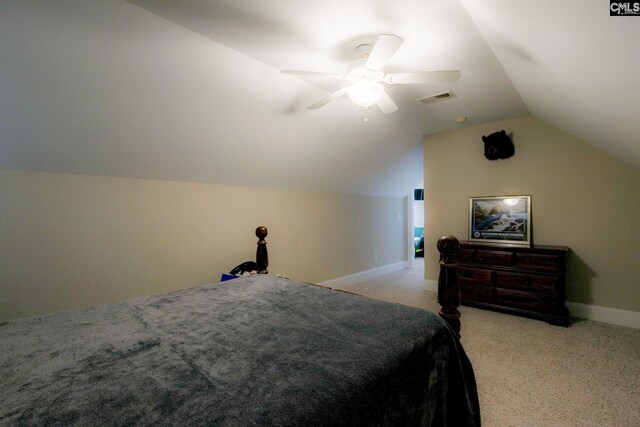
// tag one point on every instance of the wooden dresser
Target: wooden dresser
(526, 281)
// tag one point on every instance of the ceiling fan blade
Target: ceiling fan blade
(386, 104)
(311, 73)
(327, 99)
(383, 50)
(449, 76)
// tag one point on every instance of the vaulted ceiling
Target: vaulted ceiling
(191, 90)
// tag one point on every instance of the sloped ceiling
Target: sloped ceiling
(575, 66)
(191, 90)
(323, 36)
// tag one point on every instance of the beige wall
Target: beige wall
(581, 198)
(73, 240)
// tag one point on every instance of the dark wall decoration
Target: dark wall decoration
(498, 145)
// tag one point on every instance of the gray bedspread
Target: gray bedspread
(251, 351)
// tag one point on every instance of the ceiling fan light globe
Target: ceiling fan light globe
(365, 93)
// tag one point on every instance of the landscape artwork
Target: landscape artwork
(502, 219)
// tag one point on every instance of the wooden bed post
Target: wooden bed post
(262, 257)
(448, 288)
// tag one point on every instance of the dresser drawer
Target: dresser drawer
(464, 255)
(494, 257)
(471, 293)
(478, 276)
(525, 300)
(538, 261)
(526, 282)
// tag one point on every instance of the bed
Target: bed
(257, 350)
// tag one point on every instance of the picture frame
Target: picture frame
(500, 219)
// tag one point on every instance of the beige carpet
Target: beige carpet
(530, 373)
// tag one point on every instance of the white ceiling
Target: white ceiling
(574, 66)
(323, 36)
(191, 90)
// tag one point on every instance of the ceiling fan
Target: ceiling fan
(366, 76)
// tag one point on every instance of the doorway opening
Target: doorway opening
(418, 223)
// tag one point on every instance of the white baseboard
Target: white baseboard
(365, 275)
(597, 313)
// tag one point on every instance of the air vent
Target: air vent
(438, 97)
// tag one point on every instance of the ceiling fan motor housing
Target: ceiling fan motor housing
(356, 71)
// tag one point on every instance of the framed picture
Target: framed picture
(503, 219)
